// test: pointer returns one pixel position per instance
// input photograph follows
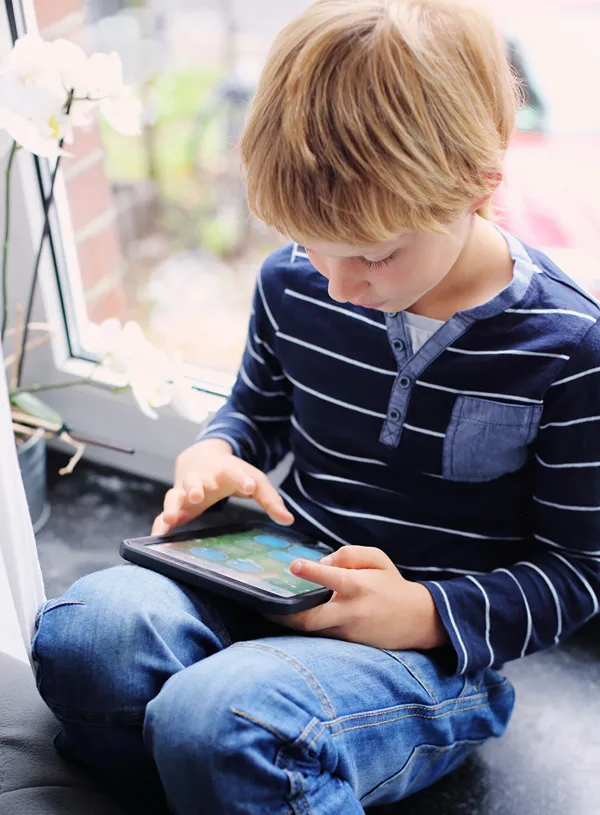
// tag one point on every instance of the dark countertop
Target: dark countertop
(548, 762)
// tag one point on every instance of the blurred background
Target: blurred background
(160, 222)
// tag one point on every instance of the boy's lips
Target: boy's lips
(371, 305)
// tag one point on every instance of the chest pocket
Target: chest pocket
(488, 439)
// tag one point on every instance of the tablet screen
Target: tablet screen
(255, 557)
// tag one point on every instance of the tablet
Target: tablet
(245, 562)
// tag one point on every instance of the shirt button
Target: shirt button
(393, 314)
(398, 345)
(404, 382)
(395, 415)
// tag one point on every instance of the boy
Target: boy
(437, 384)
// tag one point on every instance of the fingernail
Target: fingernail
(296, 566)
(328, 559)
(248, 484)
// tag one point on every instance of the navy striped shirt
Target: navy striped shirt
(474, 462)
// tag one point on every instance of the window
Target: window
(160, 224)
(156, 228)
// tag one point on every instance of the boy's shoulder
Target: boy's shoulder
(288, 268)
(552, 289)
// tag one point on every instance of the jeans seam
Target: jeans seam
(261, 723)
(300, 668)
(297, 790)
(372, 713)
(438, 706)
(419, 749)
(407, 716)
(435, 753)
(306, 805)
(415, 675)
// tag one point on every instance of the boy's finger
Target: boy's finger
(174, 500)
(344, 581)
(193, 488)
(267, 496)
(240, 479)
(160, 526)
(326, 616)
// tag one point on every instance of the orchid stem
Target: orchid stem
(9, 167)
(36, 268)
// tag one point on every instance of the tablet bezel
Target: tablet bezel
(136, 551)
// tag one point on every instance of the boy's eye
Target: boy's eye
(377, 264)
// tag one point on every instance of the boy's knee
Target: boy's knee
(91, 643)
(241, 699)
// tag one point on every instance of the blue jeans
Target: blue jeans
(165, 691)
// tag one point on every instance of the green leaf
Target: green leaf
(30, 404)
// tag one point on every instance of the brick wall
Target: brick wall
(91, 201)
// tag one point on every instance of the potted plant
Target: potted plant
(47, 91)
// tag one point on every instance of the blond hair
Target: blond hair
(377, 116)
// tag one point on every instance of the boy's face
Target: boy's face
(390, 276)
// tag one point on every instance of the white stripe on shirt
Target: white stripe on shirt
(422, 430)
(552, 591)
(348, 513)
(331, 452)
(224, 437)
(592, 553)
(567, 466)
(254, 387)
(350, 361)
(253, 353)
(331, 307)
(550, 311)
(225, 426)
(527, 611)
(487, 618)
(575, 376)
(570, 507)
(312, 520)
(454, 626)
(339, 479)
(264, 344)
(265, 304)
(250, 423)
(582, 578)
(339, 402)
(571, 422)
(479, 393)
(509, 351)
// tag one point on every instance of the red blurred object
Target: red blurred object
(551, 194)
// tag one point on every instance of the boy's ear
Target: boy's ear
(496, 180)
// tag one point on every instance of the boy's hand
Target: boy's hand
(372, 603)
(207, 473)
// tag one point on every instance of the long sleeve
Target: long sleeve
(256, 418)
(510, 612)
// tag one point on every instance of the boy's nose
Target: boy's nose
(344, 286)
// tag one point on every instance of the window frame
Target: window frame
(92, 410)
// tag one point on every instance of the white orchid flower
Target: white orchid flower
(125, 350)
(30, 59)
(185, 399)
(33, 116)
(62, 70)
(123, 112)
(103, 76)
(97, 81)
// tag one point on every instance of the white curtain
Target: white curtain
(21, 587)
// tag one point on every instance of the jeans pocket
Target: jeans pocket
(487, 439)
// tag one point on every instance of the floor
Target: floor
(548, 763)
